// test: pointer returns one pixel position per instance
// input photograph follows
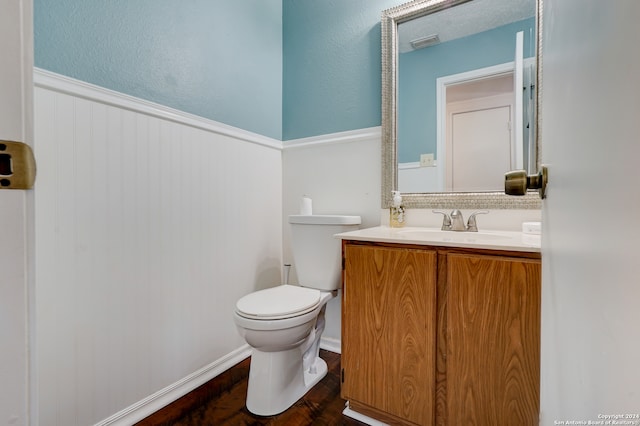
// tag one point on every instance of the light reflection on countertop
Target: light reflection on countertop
(484, 239)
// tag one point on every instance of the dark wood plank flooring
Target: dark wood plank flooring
(221, 401)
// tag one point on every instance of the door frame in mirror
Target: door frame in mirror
(391, 18)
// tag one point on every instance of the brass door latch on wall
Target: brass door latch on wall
(17, 165)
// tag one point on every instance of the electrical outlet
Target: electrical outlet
(426, 160)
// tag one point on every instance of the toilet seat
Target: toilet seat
(284, 301)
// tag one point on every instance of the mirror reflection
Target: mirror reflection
(466, 96)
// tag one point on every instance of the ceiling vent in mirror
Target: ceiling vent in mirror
(427, 41)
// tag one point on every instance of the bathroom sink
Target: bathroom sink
(438, 235)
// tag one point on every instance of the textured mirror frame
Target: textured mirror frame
(445, 200)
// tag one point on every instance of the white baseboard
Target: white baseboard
(144, 408)
(330, 344)
(361, 417)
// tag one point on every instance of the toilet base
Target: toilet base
(277, 380)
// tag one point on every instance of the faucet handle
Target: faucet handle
(472, 226)
(446, 220)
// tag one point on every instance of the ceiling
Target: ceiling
(465, 19)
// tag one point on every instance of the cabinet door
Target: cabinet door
(493, 342)
(388, 330)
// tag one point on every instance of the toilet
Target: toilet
(283, 324)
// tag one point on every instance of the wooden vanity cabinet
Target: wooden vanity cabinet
(435, 335)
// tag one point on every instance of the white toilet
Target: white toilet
(283, 324)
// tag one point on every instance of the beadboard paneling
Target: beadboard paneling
(148, 230)
(341, 173)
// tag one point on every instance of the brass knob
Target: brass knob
(516, 182)
(17, 165)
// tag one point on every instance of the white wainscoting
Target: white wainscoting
(414, 178)
(341, 173)
(150, 224)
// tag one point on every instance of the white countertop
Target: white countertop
(485, 239)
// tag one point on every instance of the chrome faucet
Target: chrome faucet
(455, 221)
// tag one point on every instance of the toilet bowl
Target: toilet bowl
(284, 360)
(284, 324)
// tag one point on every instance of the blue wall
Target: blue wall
(221, 60)
(281, 68)
(332, 65)
(419, 69)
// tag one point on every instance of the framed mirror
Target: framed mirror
(460, 101)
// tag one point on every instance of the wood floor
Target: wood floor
(221, 401)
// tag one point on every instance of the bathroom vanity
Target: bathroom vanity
(441, 327)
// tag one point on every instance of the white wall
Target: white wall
(341, 173)
(150, 224)
(414, 178)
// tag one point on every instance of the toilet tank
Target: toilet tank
(316, 253)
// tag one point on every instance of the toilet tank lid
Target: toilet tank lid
(325, 219)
